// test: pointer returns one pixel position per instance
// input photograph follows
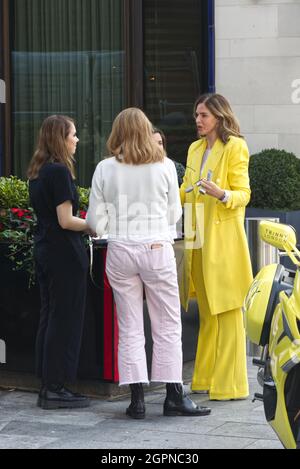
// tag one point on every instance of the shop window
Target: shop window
(67, 57)
(90, 59)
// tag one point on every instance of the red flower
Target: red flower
(18, 212)
(82, 214)
(21, 213)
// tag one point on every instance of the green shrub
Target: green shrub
(84, 195)
(275, 180)
(18, 221)
(13, 193)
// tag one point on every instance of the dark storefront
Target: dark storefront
(90, 59)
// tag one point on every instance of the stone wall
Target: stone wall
(258, 69)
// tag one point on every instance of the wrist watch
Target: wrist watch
(222, 199)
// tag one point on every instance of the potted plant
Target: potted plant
(19, 307)
(17, 222)
(19, 295)
(275, 185)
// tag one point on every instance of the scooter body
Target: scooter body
(272, 318)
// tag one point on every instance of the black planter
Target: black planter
(19, 315)
(19, 318)
(289, 218)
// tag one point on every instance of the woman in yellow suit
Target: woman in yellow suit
(215, 192)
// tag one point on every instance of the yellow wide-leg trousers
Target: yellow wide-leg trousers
(221, 365)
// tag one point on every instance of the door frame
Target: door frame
(5, 123)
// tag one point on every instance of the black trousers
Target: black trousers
(62, 280)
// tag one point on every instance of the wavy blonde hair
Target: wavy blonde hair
(219, 106)
(51, 146)
(131, 140)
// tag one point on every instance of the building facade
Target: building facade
(258, 69)
(90, 59)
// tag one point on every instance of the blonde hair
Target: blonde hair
(51, 146)
(220, 108)
(131, 140)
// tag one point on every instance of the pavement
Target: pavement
(231, 425)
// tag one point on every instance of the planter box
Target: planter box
(289, 218)
(19, 314)
(19, 318)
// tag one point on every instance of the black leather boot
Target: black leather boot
(177, 403)
(136, 410)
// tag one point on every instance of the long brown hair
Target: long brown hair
(51, 146)
(131, 140)
(220, 108)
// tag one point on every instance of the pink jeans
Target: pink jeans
(129, 268)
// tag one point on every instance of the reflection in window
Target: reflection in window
(175, 67)
(67, 58)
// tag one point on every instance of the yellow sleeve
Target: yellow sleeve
(238, 175)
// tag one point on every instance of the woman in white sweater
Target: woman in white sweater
(134, 199)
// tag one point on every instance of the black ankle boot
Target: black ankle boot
(136, 410)
(178, 403)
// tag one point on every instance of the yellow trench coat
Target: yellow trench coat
(220, 226)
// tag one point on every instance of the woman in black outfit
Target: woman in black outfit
(61, 262)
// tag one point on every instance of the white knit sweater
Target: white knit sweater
(134, 203)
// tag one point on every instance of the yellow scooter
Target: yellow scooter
(272, 319)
